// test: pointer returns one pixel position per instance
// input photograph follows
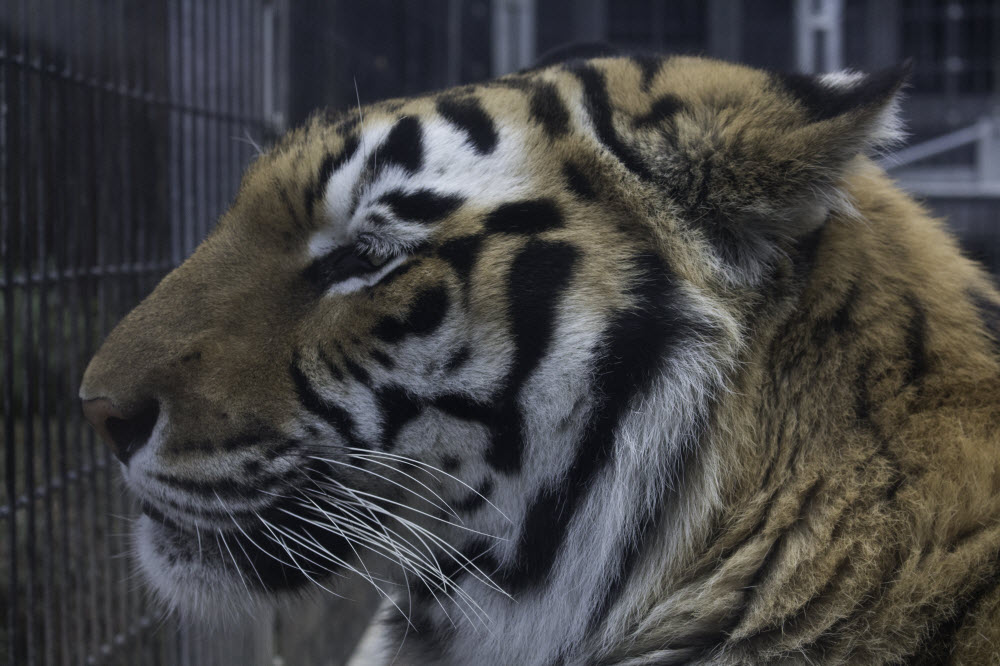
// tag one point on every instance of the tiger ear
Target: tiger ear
(774, 170)
(862, 109)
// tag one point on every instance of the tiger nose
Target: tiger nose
(124, 432)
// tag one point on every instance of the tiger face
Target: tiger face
(470, 342)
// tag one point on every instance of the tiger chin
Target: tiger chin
(630, 360)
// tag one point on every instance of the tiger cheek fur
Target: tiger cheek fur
(626, 360)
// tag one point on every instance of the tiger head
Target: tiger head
(472, 342)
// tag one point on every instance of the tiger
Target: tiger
(627, 359)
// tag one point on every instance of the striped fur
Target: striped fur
(626, 360)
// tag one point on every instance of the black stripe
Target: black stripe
(864, 414)
(403, 147)
(467, 409)
(360, 374)
(989, 313)
(650, 66)
(578, 183)
(636, 343)
(331, 162)
(398, 408)
(770, 559)
(286, 200)
(334, 371)
(788, 623)
(538, 276)
(529, 216)
(458, 359)
(468, 115)
(475, 500)
(424, 206)
(840, 321)
(338, 418)
(547, 109)
(426, 314)
(348, 124)
(916, 343)
(336, 266)
(660, 113)
(805, 252)
(226, 488)
(595, 94)
(383, 359)
(461, 253)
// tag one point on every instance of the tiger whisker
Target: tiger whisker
(335, 528)
(431, 567)
(363, 453)
(197, 532)
(445, 506)
(374, 544)
(335, 524)
(291, 554)
(424, 513)
(252, 565)
(414, 528)
(337, 560)
(219, 535)
(415, 480)
(281, 542)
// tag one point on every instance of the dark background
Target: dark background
(125, 126)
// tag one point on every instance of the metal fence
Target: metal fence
(123, 133)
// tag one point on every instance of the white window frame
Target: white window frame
(817, 20)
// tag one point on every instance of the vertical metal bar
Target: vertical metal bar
(45, 227)
(200, 29)
(91, 165)
(27, 144)
(62, 353)
(262, 104)
(218, 116)
(176, 130)
(226, 38)
(208, 115)
(214, 119)
(12, 606)
(107, 221)
(951, 15)
(246, 72)
(76, 579)
(116, 505)
(240, 68)
(187, 74)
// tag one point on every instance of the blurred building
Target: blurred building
(345, 52)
